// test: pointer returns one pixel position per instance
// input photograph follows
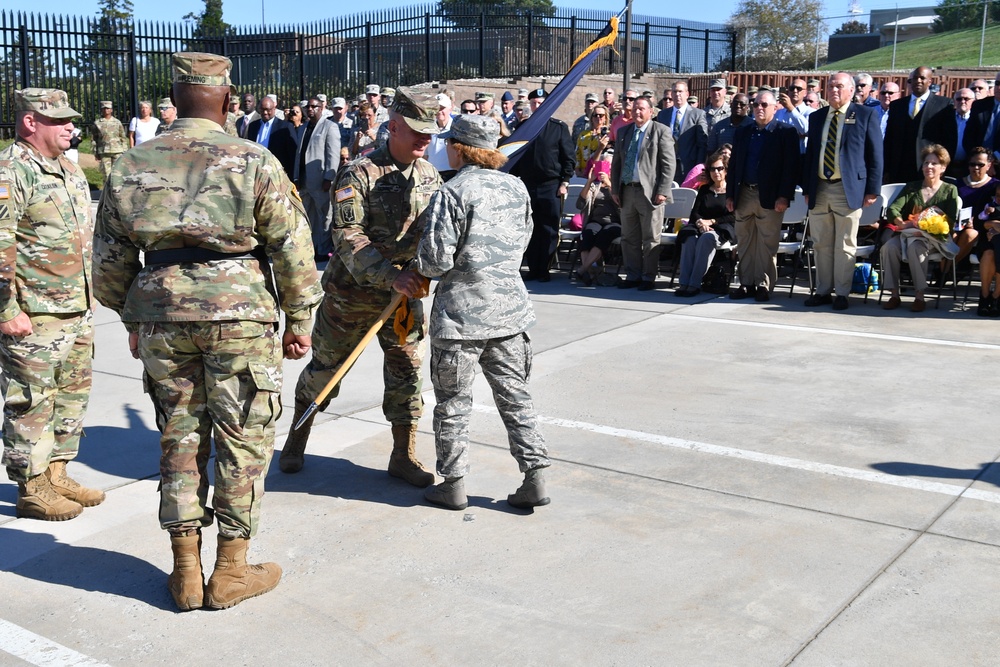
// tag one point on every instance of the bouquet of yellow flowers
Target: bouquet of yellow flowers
(934, 222)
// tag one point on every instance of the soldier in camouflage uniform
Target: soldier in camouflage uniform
(476, 229)
(46, 323)
(208, 211)
(110, 139)
(376, 204)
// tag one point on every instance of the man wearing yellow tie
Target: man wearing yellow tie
(842, 174)
(915, 121)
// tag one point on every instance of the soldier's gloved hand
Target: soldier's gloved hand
(295, 347)
(410, 283)
(19, 326)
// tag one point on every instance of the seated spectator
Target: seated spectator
(710, 225)
(904, 214)
(976, 190)
(988, 250)
(698, 177)
(593, 141)
(602, 219)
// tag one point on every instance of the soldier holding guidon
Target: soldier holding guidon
(46, 320)
(375, 233)
(208, 211)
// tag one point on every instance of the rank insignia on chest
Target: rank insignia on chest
(343, 194)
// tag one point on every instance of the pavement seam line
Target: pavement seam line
(38, 650)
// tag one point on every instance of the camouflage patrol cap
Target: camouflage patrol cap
(473, 130)
(481, 95)
(418, 109)
(202, 69)
(106, 104)
(388, 92)
(49, 102)
(165, 103)
(372, 89)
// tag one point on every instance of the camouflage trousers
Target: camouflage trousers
(107, 162)
(506, 364)
(342, 320)
(45, 381)
(206, 379)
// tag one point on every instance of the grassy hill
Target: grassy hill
(959, 48)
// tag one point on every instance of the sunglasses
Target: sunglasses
(887, 92)
(468, 110)
(965, 99)
(716, 168)
(313, 106)
(762, 105)
(601, 115)
(631, 99)
(740, 104)
(978, 165)
(796, 88)
(978, 87)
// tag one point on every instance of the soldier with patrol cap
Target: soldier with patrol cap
(46, 320)
(476, 229)
(375, 234)
(372, 94)
(214, 216)
(168, 114)
(109, 137)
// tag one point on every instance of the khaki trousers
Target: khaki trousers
(758, 232)
(833, 228)
(642, 224)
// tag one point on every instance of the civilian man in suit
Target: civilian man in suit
(688, 128)
(842, 174)
(274, 134)
(545, 167)
(316, 164)
(642, 172)
(983, 128)
(956, 128)
(249, 106)
(760, 184)
(915, 121)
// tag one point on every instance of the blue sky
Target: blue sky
(248, 12)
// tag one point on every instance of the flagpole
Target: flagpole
(627, 51)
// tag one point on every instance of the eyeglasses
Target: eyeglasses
(740, 104)
(965, 99)
(601, 115)
(631, 99)
(762, 105)
(978, 165)
(862, 85)
(977, 87)
(716, 168)
(468, 111)
(796, 88)
(313, 106)
(887, 92)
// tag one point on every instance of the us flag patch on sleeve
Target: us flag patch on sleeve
(343, 194)
(4, 190)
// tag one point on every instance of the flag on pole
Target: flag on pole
(530, 128)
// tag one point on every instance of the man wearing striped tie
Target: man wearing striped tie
(843, 174)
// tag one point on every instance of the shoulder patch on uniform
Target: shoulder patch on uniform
(4, 190)
(343, 194)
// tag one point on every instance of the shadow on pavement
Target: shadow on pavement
(986, 472)
(132, 452)
(340, 478)
(43, 558)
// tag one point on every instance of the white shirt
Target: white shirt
(264, 133)
(144, 129)
(437, 151)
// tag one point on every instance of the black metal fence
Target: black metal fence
(97, 59)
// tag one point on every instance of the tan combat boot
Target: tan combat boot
(531, 493)
(449, 493)
(293, 452)
(186, 582)
(233, 580)
(403, 462)
(36, 499)
(69, 488)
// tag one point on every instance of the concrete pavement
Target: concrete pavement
(734, 484)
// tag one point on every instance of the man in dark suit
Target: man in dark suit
(546, 167)
(983, 128)
(689, 129)
(956, 130)
(760, 185)
(275, 135)
(915, 121)
(642, 172)
(249, 106)
(842, 174)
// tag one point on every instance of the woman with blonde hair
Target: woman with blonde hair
(476, 228)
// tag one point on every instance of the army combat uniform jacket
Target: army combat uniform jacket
(109, 137)
(46, 234)
(375, 228)
(233, 198)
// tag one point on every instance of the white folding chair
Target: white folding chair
(680, 207)
(796, 214)
(569, 239)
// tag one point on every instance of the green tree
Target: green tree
(466, 13)
(208, 22)
(958, 14)
(852, 28)
(774, 34)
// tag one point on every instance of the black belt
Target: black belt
(752, 186)
(831, 181)
(633, 184)
(199, 255)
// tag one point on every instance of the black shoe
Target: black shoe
(762, 295)
(985, 303)
(628, 284)
(646, 286)
(994, 310)
(840, 303)
(743, 292)
(819, 300)
(584, 278)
